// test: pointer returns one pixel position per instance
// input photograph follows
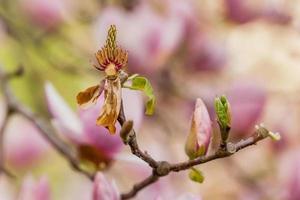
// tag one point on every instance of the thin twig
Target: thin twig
(139, 186)
(256, 137)
(2, 154)
(132, 142)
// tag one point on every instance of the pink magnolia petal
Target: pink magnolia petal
(32, 190)
(99, 136)
(104, 189)
(46, 14)
(206, 54)
(42, 190)
(200, 132)
(240, 11)
(64, 118)
(24, 144)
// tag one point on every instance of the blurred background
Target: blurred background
(248, 50)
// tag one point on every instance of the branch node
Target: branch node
(163, 168)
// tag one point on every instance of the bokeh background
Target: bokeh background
(248, 50)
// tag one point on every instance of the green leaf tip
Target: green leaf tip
(143, 84)
(222, 108)
(196, 175)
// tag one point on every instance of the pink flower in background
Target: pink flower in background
(47, 14)
(184, 11)
(238, 11)
(104, 189)
(23, 143)
(205, 53)
(199, 137)
(81, 129)
(149, 37)
(247, 100)
(247, 11)
(32, 190)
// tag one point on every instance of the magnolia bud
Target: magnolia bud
(222, 109)
(200, 132)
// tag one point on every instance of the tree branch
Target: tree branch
(139, 186)
(132, 142)
(163, 168)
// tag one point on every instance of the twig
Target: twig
(45, 128)
(256, 137)
(139, 186)
(2, 156)
(163, 168)
(132, 142)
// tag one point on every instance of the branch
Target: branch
(139, 186)
(132, 142)
(163, 168)
(47, 131)
(2, 156)
(258, 135)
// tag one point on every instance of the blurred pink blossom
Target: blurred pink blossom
(47, 14)
(149, 37)
(104, 189)
(247, 100)
(247, 11)
(81, 129)
(199, 137)
(238, 11)
(32, 190)
(205, 53)
(23, 143)
(185, 12)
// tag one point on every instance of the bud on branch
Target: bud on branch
(222, 108)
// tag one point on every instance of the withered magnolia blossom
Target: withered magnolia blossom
(111, 58)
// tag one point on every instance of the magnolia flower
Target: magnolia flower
(23, 143)
(47, 14)
(82, 130)
(199, 137)
(104, 189)
(32, 190)
(111, 59)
